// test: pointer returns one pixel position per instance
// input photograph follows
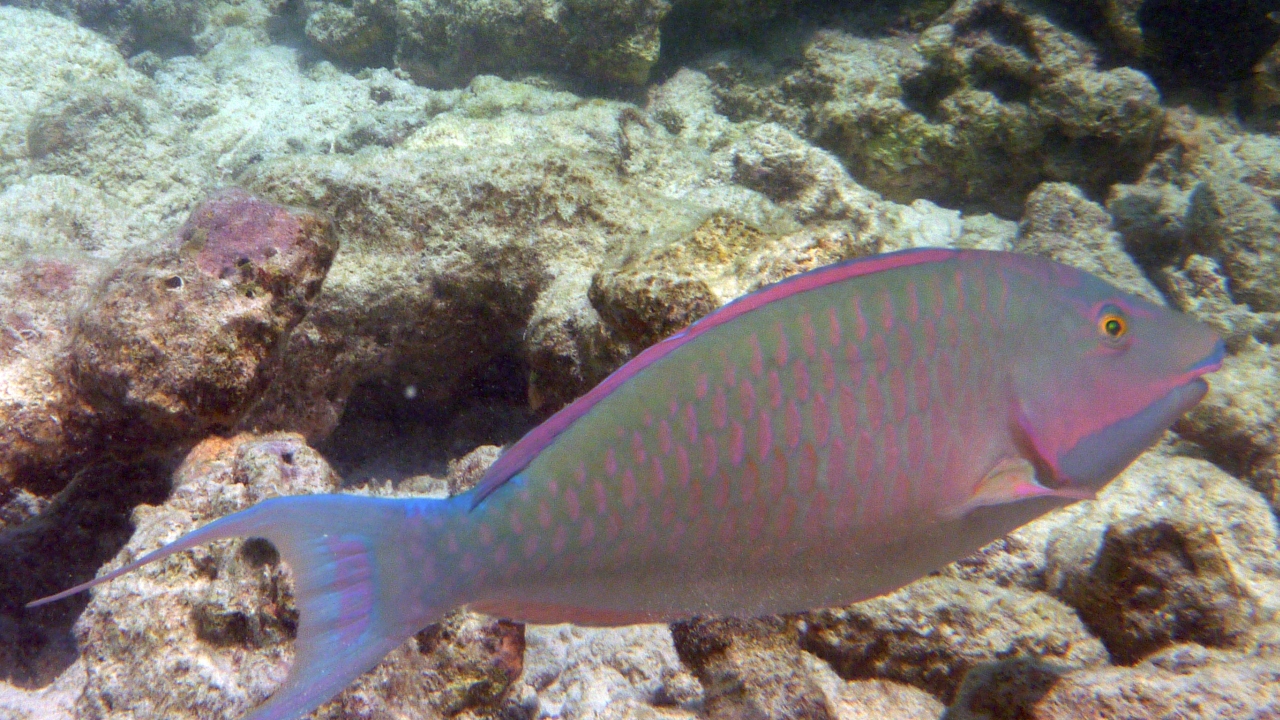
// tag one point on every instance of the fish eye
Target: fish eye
(1113, 325)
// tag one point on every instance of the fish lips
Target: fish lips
(1102, 455)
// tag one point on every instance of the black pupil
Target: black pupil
(1113, 327)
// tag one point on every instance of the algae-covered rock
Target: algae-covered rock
(993, 99)
(448, 43)
(1061, 224)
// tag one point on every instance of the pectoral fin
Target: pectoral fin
(1011, 480)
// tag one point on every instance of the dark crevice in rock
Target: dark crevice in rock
(1206, 44)
(83, 528)
(389, 432)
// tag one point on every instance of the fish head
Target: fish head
(1102, 374)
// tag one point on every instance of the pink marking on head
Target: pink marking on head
(710, 457)
(701, 386)
(691, 423)
(800, 374)
(637, 447)
(544, 514)
(486, 534)
(737, 443)
(775, 390)
(572, 504)
(764, 436)
(833, 327)
(610, 462)
(602, 498)
(828, 373)
(837, 470)
(898, 393)
(530, 546)
(683, 466)
(780, 353)
(808, 337)
(587, 532)
(560, 540)
(629, 492)
(821, 417)
(791, 426)
(848, 409)
(806, 469)
(719, 408)
(779, 468)
(657, 477)
(747, 395)
(757, 355)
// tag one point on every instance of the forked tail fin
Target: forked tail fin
(356, 595)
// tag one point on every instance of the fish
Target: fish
(826, 439)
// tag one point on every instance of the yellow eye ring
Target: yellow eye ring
(1113, 326)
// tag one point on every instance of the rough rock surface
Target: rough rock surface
(932, 632)
(991, 101)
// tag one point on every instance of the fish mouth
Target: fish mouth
(1211, 362)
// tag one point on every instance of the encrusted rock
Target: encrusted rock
(1173, 550)
(930, 633)
(1061, 224)
(182, 342)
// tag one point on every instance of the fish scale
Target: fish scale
(826, 439)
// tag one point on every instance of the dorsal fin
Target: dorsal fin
(519, 455)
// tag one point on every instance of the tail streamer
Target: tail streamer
(357, 600)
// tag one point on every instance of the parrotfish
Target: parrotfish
(823, 440)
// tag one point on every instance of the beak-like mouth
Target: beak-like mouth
(1211, 363)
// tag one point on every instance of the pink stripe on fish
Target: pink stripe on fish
(602, 499)
(610, 462)
(833, 327)
(638, 453)
(764, 436)
(710, 457)
(781, 352)
(747, 393)
(821, 417)
(808, 339)
(828, 373)
(791, 425)
(806, 469)
(657, 477)
(800, 375)
(719, 408)
(664, 437)
(757, 356)
(691, 423)
(629, 492)
(737, 443)
(572, 504)
(775, 390)
(683, 466)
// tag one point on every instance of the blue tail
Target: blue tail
(357, 595)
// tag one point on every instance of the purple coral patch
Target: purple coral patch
(234, 229)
